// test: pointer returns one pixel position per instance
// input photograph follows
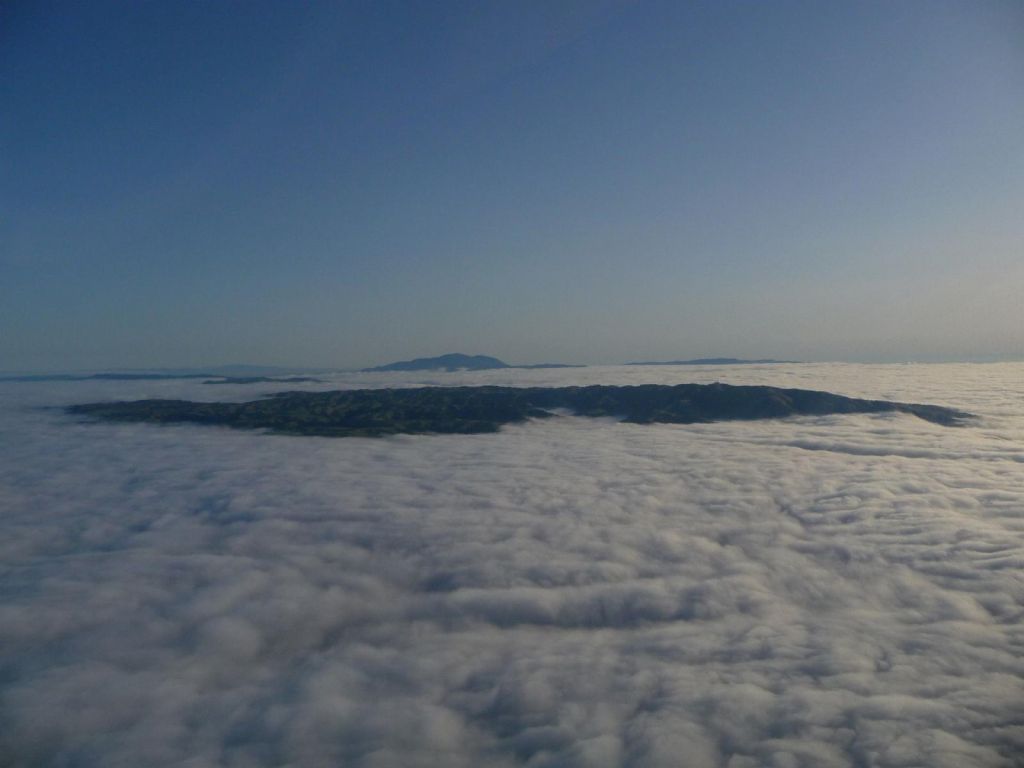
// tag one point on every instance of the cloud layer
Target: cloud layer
(840, 591)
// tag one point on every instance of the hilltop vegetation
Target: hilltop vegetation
(466, 410)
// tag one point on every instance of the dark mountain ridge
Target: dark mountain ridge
(375, 412)
(456, 361)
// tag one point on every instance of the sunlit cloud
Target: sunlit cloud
(832, 591)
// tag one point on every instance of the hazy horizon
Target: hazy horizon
(603, 364)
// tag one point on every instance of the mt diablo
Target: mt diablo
(456, 361)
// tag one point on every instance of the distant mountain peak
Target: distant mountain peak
(453, 361)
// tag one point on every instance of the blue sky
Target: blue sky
(342, 184)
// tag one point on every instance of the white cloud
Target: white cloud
(841, 591)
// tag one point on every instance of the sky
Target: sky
(345, 184)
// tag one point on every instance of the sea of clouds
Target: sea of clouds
(833, 591)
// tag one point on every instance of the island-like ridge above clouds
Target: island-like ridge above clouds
(456, 361)
(468, 410)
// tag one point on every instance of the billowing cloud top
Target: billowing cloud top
(833, 591)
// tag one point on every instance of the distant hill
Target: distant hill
(209, 378)
(459, 362)
(227, 374)
(451, 362)
(263, 380)
(106, 376)
(714, 361)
